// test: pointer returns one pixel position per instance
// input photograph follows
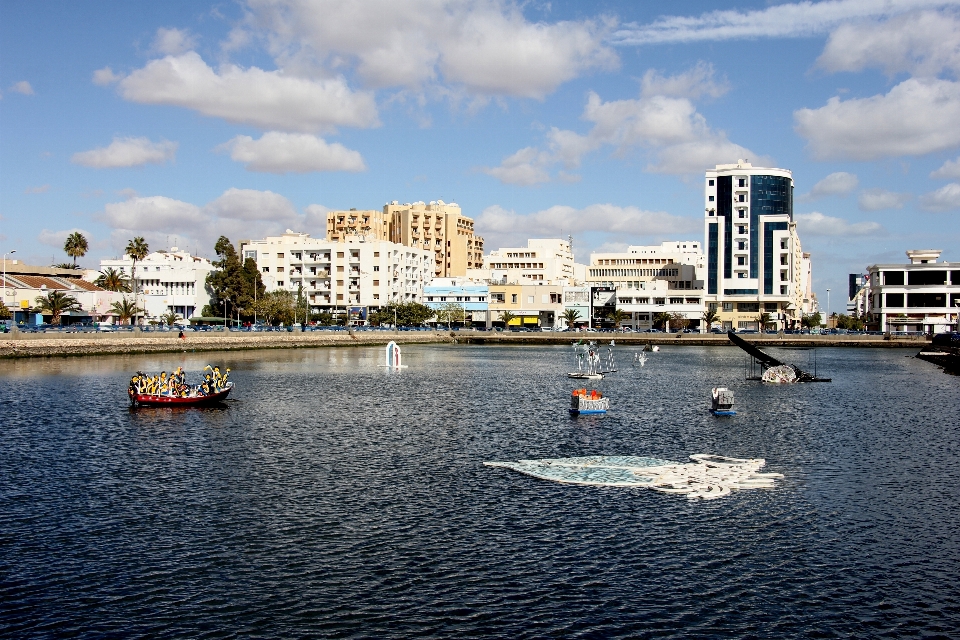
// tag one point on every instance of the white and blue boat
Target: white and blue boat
(722, 402)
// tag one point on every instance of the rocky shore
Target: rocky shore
(26, 345)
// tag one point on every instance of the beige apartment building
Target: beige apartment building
(542, 260)
(532, 305)
(369, 224)
(438, 227)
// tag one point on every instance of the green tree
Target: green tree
(137, 249)
(325, 318)
(75, 246)
(276, 307)
(225, 284)
(112, 280)
(451, 312)
(506, 317)
(252, 287)
(407, 313)
(678, 321)
(571, 316)
(710, 317)
(56, 303)
(125, 310)
(811, 321)
(661, 320)
(617, 316)
(4, 312)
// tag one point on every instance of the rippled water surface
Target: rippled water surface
(335, 498)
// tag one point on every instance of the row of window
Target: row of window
(458, 298)
(658, 300)
(922, 277)
(921, 300)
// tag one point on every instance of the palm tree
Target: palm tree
(763, 319)
(506, 317)
(710, 316)
(170, 318)
(571, 316)
(137, 249)
(662, 319)
(124, 310)
(56, 303)
(64, 265)
(75, 246)
(112, 280)
(617, 316)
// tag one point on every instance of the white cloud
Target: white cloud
(524, 168)
(790, 20)
(22, 87)
(486, 47)
(918, 116)
(105, 76)
(840, 183)
(880, 199)
(173, 42)
(58, 238)
(505, 228)
(946, 198)
(676, 137)
(697, 82)
(251, 205)
(237, 214)
(127, 152)
(949, 170)
(919, 43)
(265, 99)
(277, 152)
(41, 189)
(817, 224)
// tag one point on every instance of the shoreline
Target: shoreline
(24, 345)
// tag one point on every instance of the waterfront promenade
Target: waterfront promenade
(25, 345)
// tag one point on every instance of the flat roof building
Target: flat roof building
(922, 296)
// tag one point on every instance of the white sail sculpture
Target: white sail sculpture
(707, 477)
(392, 357)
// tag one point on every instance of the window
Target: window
(659, 301)
(893, 277)
(741, 229)
(926, 299)
(496, 298)
(376, 283)
(513, 298)
(783, 259)
(340, 269)
(769, 306)
(749, 307)
(741, 274)
(376, 296)
(710, 183)
(339, 254)
(783, 244)
(376, 267)
(742, 212)
(339, 283)
(711, 198)
(279, 283)
(741, 260)
(279, 256)
(676, 300)
(894, 299)
(927, 277)
(741, 182)
(783, 289)
(742, 246)
(728, 306)
(376, 254)
(742, 198)
(266, 269)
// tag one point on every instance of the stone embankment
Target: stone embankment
(25, 345)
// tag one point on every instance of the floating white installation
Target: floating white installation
(392, 357)
(707, 477)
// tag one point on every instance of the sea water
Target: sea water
(332, 497)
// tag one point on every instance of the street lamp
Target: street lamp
(12, 251)
(828, 303)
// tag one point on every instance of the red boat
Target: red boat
(150, 400)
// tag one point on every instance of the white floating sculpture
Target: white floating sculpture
(393, 356)
(707, 477)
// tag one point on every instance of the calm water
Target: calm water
(334, 498)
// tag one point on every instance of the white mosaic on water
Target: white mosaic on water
(707, 477)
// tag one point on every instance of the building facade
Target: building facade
(923, 295)
(167, 281)
(472, 297)
(441, 229)
(542, 260)
(356, 275)
(754, 257)
(532, 305)
(369, 224)
(22, 284)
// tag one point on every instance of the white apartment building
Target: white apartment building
(923, 295)
(754, 259)
(357, 274)
(167, 281)
(542, 260)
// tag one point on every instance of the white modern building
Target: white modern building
(355, 275)
(923, 295)
(754, 257)
(542, 260)
(167, 281)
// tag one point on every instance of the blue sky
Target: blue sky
(181, 121)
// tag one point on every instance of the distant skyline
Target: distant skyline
(182, 121)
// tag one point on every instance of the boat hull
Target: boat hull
(148, 400)
(723, 412)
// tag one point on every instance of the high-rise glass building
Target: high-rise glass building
(755, 264)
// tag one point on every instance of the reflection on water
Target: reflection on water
(332, 497)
